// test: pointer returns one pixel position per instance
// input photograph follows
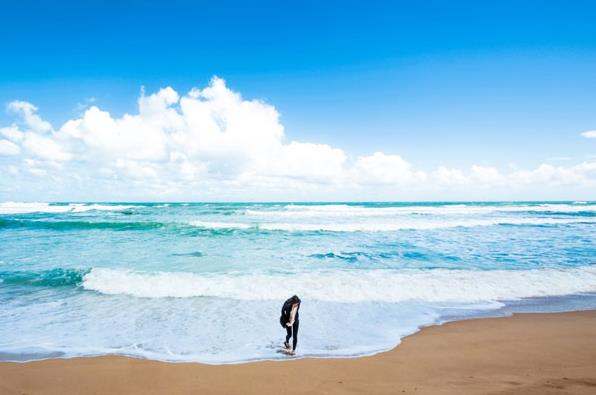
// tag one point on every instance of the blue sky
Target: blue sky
(452, 84)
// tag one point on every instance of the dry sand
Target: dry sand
(523, 354)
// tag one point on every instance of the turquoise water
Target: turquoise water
(204, 282)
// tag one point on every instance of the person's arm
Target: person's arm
(293, 314)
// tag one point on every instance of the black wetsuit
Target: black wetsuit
(291, 331)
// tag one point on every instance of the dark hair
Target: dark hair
(295, 299)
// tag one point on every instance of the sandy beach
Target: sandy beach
(523, 354)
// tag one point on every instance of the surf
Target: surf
(438, 285)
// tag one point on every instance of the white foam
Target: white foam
(208, 330)
(344, 210)
(220, 225)
(30, 207)
(439, 285)
(77, 208)
(37, 207)
(388, 225)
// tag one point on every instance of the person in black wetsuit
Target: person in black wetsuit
(289, 320)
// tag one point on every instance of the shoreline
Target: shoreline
(533, 305)
(523, 353)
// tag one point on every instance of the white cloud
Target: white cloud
(8, 148)
(137, 169)
(382, 168)
(485, 175)
(546, 174)
(590, 134)
(30, 119)
(45, 147)
(212, 143)
(448, 177)
(34, 167)
(317, 162)
(586, 168)
(12, 133)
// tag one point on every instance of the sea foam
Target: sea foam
(345, 210)
(390, 224)
(437, 285)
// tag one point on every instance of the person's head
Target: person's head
(295, 299)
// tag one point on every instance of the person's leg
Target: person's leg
(288, 335)
(295, 335)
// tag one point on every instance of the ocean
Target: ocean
(205, 282)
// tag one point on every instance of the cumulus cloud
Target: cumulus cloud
(384, 169)
(589, 134)
(212, 143)
(12, 133)
(29, 118)
(45, 147)
(447, 176)
(485, 175)
(9, 148)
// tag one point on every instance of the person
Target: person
(289, 320)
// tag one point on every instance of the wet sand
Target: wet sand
(523, 354)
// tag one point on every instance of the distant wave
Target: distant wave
(313, 210)
(46, 278)
(35, 207)
(223, 228)
(404, 224)
(437, 285)
(344, 210)
(220, 225)
(79, 225)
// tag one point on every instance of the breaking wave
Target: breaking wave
(387, 226)
(345, 210)
(438, 285)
